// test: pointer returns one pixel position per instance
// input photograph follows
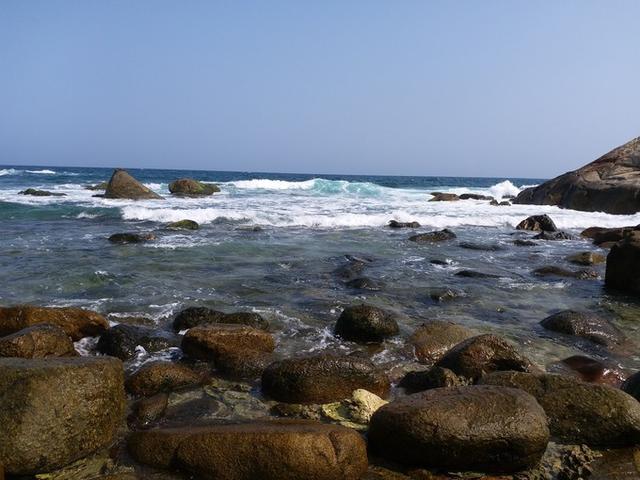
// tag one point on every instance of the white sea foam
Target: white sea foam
(8, 171)
(503, 189)
(267, 184)
(41, 172)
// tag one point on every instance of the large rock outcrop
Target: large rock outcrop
(124, 186)
(609, 184)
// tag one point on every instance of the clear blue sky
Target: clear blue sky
(477, 88)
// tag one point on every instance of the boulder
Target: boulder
(607, 237)
(366, 323)
(587, 325)
(97, 187)
(57, 410)
(555, 271)
(435, 377)
(322, 379)
(40, 193)
(124, 186)
(553, 236)
(242, 364)
(434, 338)
(211, 341)
(623, 265)
(365, 283)
(76, 322)
(589, 370)
(483, 247)
(121, 341)
(579, 412)
(147, 410)
(475, 274)
(537, 223)
(444, 197)
(484, 354)
(396, 224)
(161, 376)
(524, 243)
(265, 450)
(632, 386)
(478, 428)
(433, 237)
(475, 196)
(131, 237)
(586, 259)
(200, 316)
(39, 341)
(189, 187)
(183, 225)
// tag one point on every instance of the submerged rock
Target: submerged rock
(39, 341)
(161, 376)
(189, 186)
(131, 237)
(553, 236)
(148, 410)
(396, 224)
(366, 323)
(623, 265)
(589, 370)
(54, 411)
(444, 197)
(41, 193)
(365, 283)
(486, 247)
(265, 450)
(475, 274)
(586, 258)
(524, 243)
(183, 225)
(122, 340)
(477, 428)
(432, 237)
(322, 379)
(440, 295)
(555, 271)
(587, 325)
(200, 316)
(434, 338)
(76, 322)
(124, 186)
(210, 341)
(537, 223)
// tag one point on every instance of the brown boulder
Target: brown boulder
(433, 237)
(38, 341)
(433, 339)
(189, 187)
(76, 322)
(209, 342)
(586, 259)
(623, 265)
(435, 377)
(444, 197)
(199, 316)
(242, 364)
(162, 376)
(366, 323)
(265, 450)
(537, 223)
(124, 186)
(147, 410)
(587, 325)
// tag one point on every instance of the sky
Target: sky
(463, 88)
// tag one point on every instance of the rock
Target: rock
(39, 341)
(41, 193)
(396, 224)
(54, 411)
(147, 410)
(477, 356)
(553, 236)
(432, 237)
(537, 223)
(132, 237)
(579, 412)
(352, 269)
(189, 186)
(495, 203)
(121, 341)
(589, 370)
(322, 379)
(434, 338)
(437, 261)
(486, 247)
(210, 341)
(200, 316)
(477, 428)
(607, 237)
(97, 186)
(587, 325)
(623, 265)
(554, 271)
(124, 186)
(161, 376)
(610, 184)
(586, 258)
(444, 197)
(524, 243)
(183, 225)
(440, 295)
(365, 283)
(632, 386)
(76, 322)
(243, 364)
(366, 323)
(475, 196)
(474, 274)
(363, 404)
(435, 377)
(265, 450)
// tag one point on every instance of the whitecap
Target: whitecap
(42, 172)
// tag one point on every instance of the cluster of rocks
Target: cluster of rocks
(453, 197)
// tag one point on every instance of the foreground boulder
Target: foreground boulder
(477, 428)
(200, 316)
(433, 339)
(39, 341)
(587, 325)
(76, 322)
(57, 410)
(189, 186)
(537, 223)
(623, 265)
(366, 323)
(212, 341)
(433, 237)
(122, 340)
(579, 412)
(610, 184)
(322, 379)
(484, 354)
(156, 377)
(124, 186)
(266, 450)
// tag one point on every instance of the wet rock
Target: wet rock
(475, 274)
(54, 411)
(363, 404)
(437, 261)
(524, 243)
(483, 354)
(76, 322)
(146, 411)
(396, 224)
(211, 341)
(160, 376)
(366, 323)
(579, 412)
(365, 283)
(589, 370)
(632, 386)
(444, 197)
(586, 258)
(183, 225)
(607, 237)
(475, 196)
(537, 223)
(587, 325)
(435, 377)
(477, 428)
(486, 247)
(124, 186)
(432, 237)
(121, 341)
(322, 379)
(242, 365)
(41, 193)
(39, 341)
(562, 462)
(553, 236)
(555, 271)
(434, 338)
(131, 237)
(189, 186)
(440, 295)
(265, 450)
(97, 186)
(200, 316)
(623, 265)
